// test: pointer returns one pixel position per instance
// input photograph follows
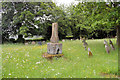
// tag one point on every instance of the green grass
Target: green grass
(0, 63)
(21, 61)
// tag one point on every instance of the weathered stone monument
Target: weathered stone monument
(54, 37)
(107, 48)
(111, 45)
(89, 52)
(54, 47)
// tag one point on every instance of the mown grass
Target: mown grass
(25, 61)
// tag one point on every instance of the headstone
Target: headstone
(83, 40)
(54, 47)
(107, 49)
(111, 45)
(105, 42)
(89, 52)
(26, 43)
(40, 43)
(33, 42)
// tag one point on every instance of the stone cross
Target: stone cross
(54, 37)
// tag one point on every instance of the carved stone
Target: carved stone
(54, 38)
(54, 47)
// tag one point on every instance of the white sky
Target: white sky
(66, 2)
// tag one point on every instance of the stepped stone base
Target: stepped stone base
(54, 48)
(46, 55)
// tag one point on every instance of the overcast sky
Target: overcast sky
(66, 2)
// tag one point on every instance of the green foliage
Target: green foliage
(98, 16)
(32, 18)
(23, 30)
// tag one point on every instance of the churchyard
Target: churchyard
(47, 40)
(26, 61)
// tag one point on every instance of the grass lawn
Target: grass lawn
(25, 61)
(0, 62)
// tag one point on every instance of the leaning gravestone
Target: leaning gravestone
(111, 44)
(107, 48)
(54, 47)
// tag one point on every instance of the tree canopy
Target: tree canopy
(86, 19)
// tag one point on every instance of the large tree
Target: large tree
(99, 16)
(31, 18)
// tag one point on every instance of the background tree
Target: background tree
(31, 18)
(98, 16)
(86, 19)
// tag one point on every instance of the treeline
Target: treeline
(86, 19)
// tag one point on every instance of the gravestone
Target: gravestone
(105, 42)
(26, 43)
(107, 48)
(40, 43)
(54, 47)
(111, 44)
(33, 42)
(89, 52)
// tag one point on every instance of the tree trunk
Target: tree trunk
(118, 37)
(118, 43)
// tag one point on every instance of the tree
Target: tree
(98, 16)
(32, 18)
(72, 20)
(6, 20)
